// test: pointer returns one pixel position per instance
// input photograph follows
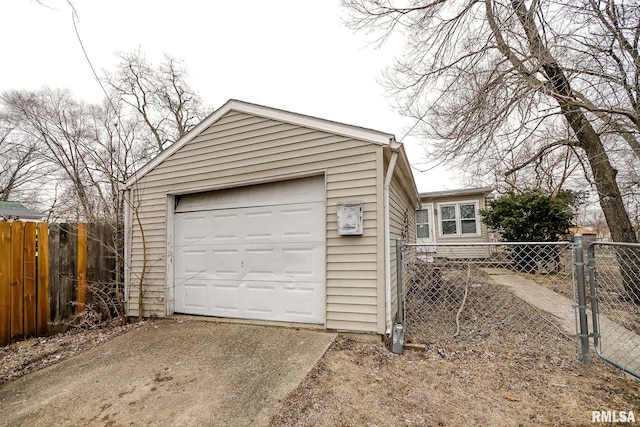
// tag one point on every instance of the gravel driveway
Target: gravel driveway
(169, 373)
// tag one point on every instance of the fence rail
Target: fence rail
(51, 273)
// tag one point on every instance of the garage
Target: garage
(254, 252)
(260, 213)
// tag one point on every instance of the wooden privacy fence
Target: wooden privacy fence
(46, 273)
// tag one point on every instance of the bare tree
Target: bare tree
(160, 97)
(485, 77)
(21, 163)
(59, 123)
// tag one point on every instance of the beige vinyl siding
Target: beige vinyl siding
(241, 149)
(402, 226)
(460, 252)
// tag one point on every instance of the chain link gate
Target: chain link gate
(469, 291)
(472, 291)
(614, 285)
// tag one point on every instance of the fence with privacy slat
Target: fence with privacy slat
(46, 271)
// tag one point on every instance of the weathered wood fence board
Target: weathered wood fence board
(47, 272)
(17, 285)
(5, 283)
(102, 266)
(29, 280)
(82, 267)
(42, 284)
(62, 275)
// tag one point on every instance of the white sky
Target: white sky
(294, 55)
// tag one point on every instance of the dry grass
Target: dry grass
(510, 365)
(455, 384)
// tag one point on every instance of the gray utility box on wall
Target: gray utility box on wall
(350, 218)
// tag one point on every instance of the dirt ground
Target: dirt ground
(358, 384)
(520, 379)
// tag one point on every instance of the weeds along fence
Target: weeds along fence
(56, 275)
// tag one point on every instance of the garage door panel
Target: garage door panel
(190, 228)
(285, 263)
(195, 296)
(253, 299)
(279, 226)
(194, 260)
(257, 262)
(260, 263)
(260, 300)
(303, 264)
(302, 298)
(290, 191)
(224, 298)
(298, 262)
(225, 263)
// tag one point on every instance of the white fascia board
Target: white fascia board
(328, 126)
(405, 167)
(413, 191)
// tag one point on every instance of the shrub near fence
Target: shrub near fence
(47, 274)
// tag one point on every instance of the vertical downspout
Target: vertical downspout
(387, 241)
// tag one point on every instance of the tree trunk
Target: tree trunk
(604, 175)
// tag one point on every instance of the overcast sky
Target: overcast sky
(290, 54)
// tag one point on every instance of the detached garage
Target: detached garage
(264, 214)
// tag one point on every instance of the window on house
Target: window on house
(422, 224)
(458, 219)
(468, 219)
(448, 219)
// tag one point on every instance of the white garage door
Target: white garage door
(253, 252)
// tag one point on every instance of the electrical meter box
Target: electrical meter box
(350, 218)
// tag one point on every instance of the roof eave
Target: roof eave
(458, 192)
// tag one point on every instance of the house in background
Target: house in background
(588, 235)
(453, 216)
(265, 214)
(15, 211)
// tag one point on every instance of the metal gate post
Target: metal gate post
(397, 339)
(400, 314)
(585, 356)
(595, 323)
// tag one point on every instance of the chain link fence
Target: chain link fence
(524, 297)
(614, 276)
(468, 293)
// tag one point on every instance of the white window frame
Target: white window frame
(430, 226)
(458, 219)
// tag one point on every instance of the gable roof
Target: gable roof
(15, 210)
(355, 132)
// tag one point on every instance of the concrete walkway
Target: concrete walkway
(617, 343)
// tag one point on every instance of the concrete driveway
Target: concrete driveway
(169, 373)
